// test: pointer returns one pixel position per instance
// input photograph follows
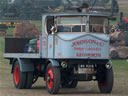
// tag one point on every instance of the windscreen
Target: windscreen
(71, 24)
(80, 24)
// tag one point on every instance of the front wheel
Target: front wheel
(53, 79)
(105, 80)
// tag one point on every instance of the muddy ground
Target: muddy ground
(38, 89)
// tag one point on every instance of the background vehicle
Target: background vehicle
(73, 47)
(32, 9)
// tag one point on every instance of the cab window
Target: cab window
(71, 24)
(49, 24)
(98, 24)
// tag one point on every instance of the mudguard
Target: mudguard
(54, 63)
(110, 62)
(26, 65)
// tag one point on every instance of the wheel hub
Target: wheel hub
(50, 78)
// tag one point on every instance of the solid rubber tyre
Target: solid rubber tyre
(105, 83)
(29, 80)
(19, 77)
(53, 79)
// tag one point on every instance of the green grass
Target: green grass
(9, 31)
(120, 68)
(120, 65)
(1, 44)
(38, 25)
(2, 60)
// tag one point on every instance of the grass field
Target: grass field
(2, 60)
(120, 68)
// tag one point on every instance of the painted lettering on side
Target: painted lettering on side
(44, 43)
(88, 54)
(78, 49)
(89, 41)
(93, 49)
(50, 46)
(44, 37)
(87, 49)
(59, 54)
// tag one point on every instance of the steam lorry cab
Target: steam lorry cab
(72, 47)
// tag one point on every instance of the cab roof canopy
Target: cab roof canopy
(75, 14)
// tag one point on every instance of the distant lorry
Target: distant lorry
(32, 9)
(25, 9)
(74, 46)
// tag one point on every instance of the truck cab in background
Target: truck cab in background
(32, 9)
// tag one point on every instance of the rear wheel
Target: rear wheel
(52, 79)
(19, 77)
(105, 80)
(29, 80)
(22, 80)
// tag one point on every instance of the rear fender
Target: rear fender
(26, 65)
